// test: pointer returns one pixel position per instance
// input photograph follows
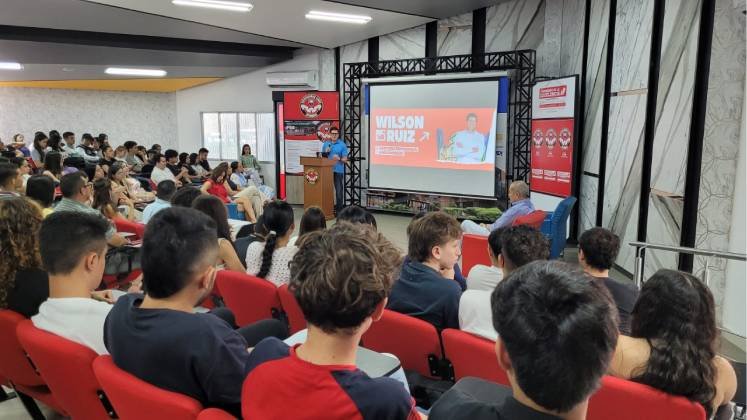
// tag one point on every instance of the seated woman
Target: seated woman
(53, 166)
(269, 259)
(127, 186)
(183, 163)
(246, 188)
(213, 207)
(313, 219)
(40, 188)
(23, 283)
(104, 201)
(216, 185)
(196, 167)
(38, 152)
(357, 214)
(673, 342)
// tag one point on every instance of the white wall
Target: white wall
(143, 117)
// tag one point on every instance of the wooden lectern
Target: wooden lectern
(318, 184)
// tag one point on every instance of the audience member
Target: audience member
(68, 145)
(53, 166)
(133, 159)
(103, 140)
(100, 171)
(164, 193)
(597, 251)
(269, 259)
(248, 160)
(519, 245)
(518, 194)
(156, 147)
(426, 288)
(73, 251)
(54, 142)
(19, 143)
(172, 163)
(673, 342)
(216, 185)
(202, 159)
(120, 154)
(107, 155)
(184, 197)
(313, 219)
(184, 163)
(104, 202)
(161, 172)
(23, 283)
(24, 170)
(10, 179)
(356, 214)
(153, 337)
(196, 167)
(237, 175)
(483, 277)
(40, 188)
(38, 150)
(214, 208)
(458, 277)
(86, 149)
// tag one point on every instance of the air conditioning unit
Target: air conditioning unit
(303, 79)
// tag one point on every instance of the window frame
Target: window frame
(239, 144)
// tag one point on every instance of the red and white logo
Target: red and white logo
(551, 139)
(537, 138)
(553, 92)
(311, 105)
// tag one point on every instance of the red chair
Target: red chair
(474, 251)
(134, 399)
(415, 342)
(470, 355)
(66, 368)
(533, 219)
(619, 399)
(124, 225)
(214, 414)
(249, 297)
(18, 369)
(296, 320)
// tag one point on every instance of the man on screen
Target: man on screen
(468, 146)
(518, 194)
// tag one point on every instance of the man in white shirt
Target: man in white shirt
(73, 251)
(519, 245)
(161, 172)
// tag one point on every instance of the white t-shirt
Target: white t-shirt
(475, 314)
(78, 319)
(483, 277)
(159, 175)
(279, 273)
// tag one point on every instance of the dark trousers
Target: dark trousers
(339, 191)
(256, 332)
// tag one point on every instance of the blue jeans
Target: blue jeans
(339, 191)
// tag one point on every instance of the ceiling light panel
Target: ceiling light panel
(119, 71)
(232, 6)
(338, 17)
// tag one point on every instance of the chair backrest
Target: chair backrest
(136, 399)
(533, 219)
(124, 225)
(214, 414)
(619, 399)
(296, 320)
(559, 231)
(249, 297)
(474, 251)
(472, 356)
(67, 369)
(415, 342)
(14, 365)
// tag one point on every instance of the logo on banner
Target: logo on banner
(565, 141)
(550, 140)
(312, 176)
(553, 92)
(537, 139)
(311, 105)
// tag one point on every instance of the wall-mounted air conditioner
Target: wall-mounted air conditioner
(302, 79)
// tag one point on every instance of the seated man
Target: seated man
(597, 251)
(161, 172)
(483, 277)
(557, 333)
(73, 250)
(519, 245)
(426, 288)
(518, 194)
(164, 192)
(10, 179)
(341, 278)
(160, 339)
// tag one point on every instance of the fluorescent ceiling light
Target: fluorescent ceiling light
(10, 66)
(338, 17)
(117, 71)
(232, 6)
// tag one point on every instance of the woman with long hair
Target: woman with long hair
(40, 147)
(107, 155)
(23, 283)
(213, 207)
(53, 166)
(673, 342)
(40, 188)
(269, 259)
(217, 185)
(184, 163)
(125, 187)
(313, 219)
(104, 201)
(248, 160)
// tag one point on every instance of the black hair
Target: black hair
(156, 156)
(214, 207)
(18, 161)
(102, 196)
(165, 189)
(168, 234)
(313, 219)
(193, 158)
(54, 140)
(53, 163)
(357, 214)
(67, 134)
(130, 144)
(87, 136)
(184, 197)
(494, 241)
(560, 330)
(234, 166)
(8, 174)
(600, 247)
(116, 167)
(334, 127)
(521, 245)
(244, 148)
(155, 146)
(183, 158)
(277, 218)
(38, 138)
(170, 153)
(66, 236)
(41, 189)
(71, 183)
(203, 150)
(102, 137)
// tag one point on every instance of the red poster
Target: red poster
(312, 106)
(552, 156)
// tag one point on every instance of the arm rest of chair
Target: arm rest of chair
(546, 228)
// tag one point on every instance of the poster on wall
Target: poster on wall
(308, 118)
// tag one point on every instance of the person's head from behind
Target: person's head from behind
(184, 197)
(165, 190)
(435, 240)
(75, 186)
(678, 309)
(202, 154)
(356, 214)
(20, 220)
(341, 277)
(131, 147)
(73, 244)
(53, 162)
(54, 140)
(517, 191)
(69, 138)
(10, 177)
(213, 207)
(313, 219)
(521, 245)
(597, 249)
(278, 223)
(494, 247)
(557, 332)
(172, 156)
(40, 188)
(167, 235)
(471, 121)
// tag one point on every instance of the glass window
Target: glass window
(248, 131)
(224, 133)
(211, 132)
(266, 137)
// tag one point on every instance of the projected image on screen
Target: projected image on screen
(434, 137)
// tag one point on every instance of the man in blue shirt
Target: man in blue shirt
(518, 193)
(338, 151)
(164, 192)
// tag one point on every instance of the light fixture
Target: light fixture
(118, 71)
(338, 17)
(232, 6)
(10, 66)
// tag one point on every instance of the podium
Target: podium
(318, 184)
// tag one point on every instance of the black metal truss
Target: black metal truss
(519, 64)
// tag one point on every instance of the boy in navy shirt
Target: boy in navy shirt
(341, 278)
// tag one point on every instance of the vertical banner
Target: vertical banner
(308, 117)
(553, 137)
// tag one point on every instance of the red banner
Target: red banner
(312, 106)
(552, 156)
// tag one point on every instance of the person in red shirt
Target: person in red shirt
(217, 185)
(341, 278)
